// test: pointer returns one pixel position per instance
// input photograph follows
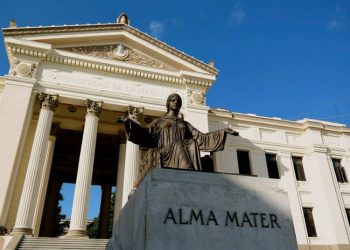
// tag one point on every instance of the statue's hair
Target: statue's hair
(170, 97)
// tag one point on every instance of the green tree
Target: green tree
(92, 228)
(59, 229)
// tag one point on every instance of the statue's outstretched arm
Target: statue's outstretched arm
(214, 141)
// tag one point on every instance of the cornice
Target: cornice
(125, 71)
(18, 31)
(260, 120)
(28, 51)
(221, 113)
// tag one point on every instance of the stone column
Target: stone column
(27, 204)
(120, 182)
(45, 179)
(85, 168)
(132, 165)
(103, 224)
(128, 165)
(132, 156)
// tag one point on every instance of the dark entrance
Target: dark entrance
(64, 170)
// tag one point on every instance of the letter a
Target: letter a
(170, 216)
(246, 220)
(212, 218)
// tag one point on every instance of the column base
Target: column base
(22, 231)
(76, 233)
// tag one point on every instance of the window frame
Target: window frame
(347, 212)
(249, 162)
(309, 222)
(339, 171)
(269, 169)
(299, 173)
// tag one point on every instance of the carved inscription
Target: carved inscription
(105, 83)
(230, 218)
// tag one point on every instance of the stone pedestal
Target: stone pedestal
(179, 209)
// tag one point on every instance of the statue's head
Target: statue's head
(171, 98)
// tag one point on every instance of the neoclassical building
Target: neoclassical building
(59, 103)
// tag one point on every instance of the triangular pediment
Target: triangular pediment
(119, 52)
(94, 35)
(109, 47)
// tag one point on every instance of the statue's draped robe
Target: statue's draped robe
(177, 141)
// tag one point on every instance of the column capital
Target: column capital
(93, 107)
(48, 102)
(135, 112)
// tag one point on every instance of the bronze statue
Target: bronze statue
(176, 142)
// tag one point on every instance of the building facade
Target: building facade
(59, 103)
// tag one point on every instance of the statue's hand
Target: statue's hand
(231, 132)
(122, 119)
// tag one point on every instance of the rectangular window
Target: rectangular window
(309, 221)
(272, 167)
(298, 168)
(243, 162)
(339, 171)
(347, 210)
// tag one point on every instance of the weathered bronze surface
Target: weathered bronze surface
(175, 142)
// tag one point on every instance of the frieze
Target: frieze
(114, 85)
(121, 53)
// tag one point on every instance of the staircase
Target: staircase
(29, 242)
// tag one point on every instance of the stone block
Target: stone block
(179, 209)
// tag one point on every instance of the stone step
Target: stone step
(31, 243)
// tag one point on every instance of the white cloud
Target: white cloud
(156, 28)
(339, 20)
(335, 24)
(176, 23)
(237, 15)
(339, 9)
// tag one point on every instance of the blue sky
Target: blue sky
(284, 58)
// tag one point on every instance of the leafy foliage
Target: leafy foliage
(92, 228)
